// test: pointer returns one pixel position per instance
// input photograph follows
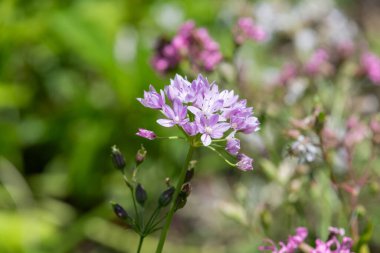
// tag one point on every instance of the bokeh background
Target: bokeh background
(70, 73)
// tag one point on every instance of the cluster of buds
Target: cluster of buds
(186, 187)
(139, 195)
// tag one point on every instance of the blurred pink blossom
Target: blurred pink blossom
(316, 62)
(245, 29)
(371, 66)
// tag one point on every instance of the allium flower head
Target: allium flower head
(371, 66)
(246, 29)
(204, 113)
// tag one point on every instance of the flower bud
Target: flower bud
(140, 155)
(182, 196)
(186, 189)
(117, 158)
(140, 194)
(119, 211)
(166, 197)
(189, 175)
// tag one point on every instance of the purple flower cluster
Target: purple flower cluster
(245, 29)
(191, 43)
(204, 113)
(371, 66)
(292, 244)
(332, 245)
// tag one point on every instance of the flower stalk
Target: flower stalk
(170, 215)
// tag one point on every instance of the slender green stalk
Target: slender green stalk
(151, 219)
(220, 155)
(169, 218)
(140, 244)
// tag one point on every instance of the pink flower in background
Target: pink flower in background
(190, 43)
(166, 58)
(197, 46)
(316, 62)
(374, 125)
(288, 73)
(331, 245)
(293, 242)
(371, 66)
(245, 29)
(356, 132)
(150, 135)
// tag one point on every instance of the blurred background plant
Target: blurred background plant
(70, 72)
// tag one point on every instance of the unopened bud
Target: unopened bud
(140, 155)
(140, 194)
(166, 197)
(182, 196)
(119, 211)
(186, 189)
(117, 158)
(189, 175)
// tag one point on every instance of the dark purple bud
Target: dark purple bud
(140, 155)
(182, 196)
(186, 189)
(140, 194)
(119, 211)
(189, 175)
(117, 158)
(166, 197)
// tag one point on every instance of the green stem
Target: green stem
(171, 138)
(156, 224)
(169, 218)
(140, 244)
(135, 207)
(151, 219)
(221, 156)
